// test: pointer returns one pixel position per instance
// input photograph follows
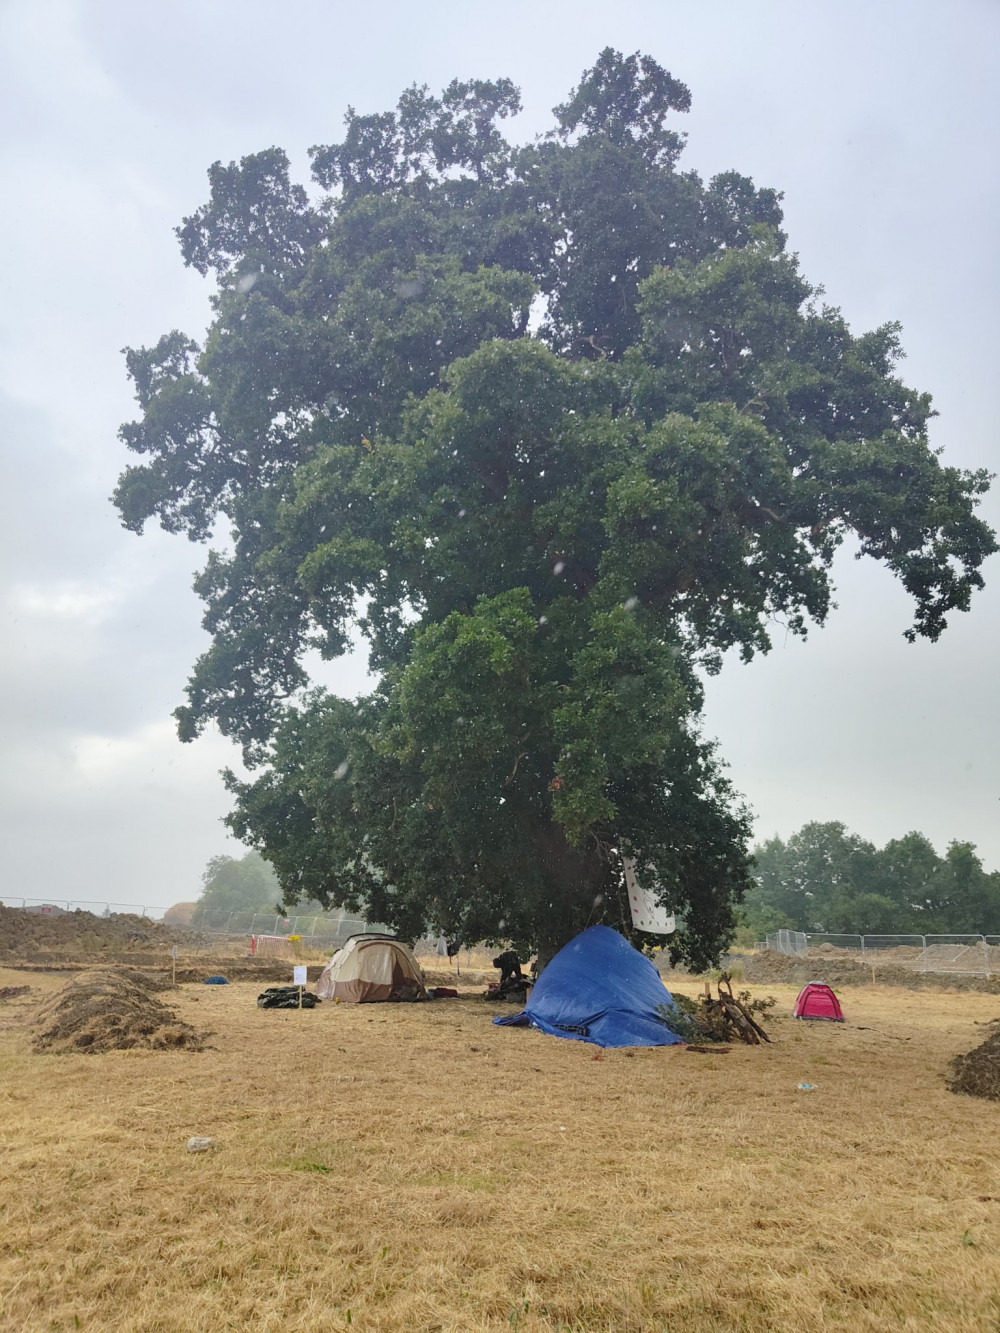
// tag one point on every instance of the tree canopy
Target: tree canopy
(554, 426)
(235, 884)
(827, 879)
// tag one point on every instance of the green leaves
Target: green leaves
(256, 218)
(464, 703)
(423, 137)
(624, 707)
(626, 99)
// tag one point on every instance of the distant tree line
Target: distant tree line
(243, 885)
(825, 878)
(231, 884)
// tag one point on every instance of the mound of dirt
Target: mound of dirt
(32, 935)
(978, 1072)
(772, 966)
(768, 965)
(112, 1010)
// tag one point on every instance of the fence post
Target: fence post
(862, 939)
(986, 954)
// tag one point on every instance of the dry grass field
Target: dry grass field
(390, 1168)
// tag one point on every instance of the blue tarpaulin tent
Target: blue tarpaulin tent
(598, 988)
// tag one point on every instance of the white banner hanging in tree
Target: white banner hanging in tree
(647, 912)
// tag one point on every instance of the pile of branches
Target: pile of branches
(722, 1018)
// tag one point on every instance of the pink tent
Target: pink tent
(817, 1000)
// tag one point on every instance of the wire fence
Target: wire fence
(60, 906)
(333, 928)
(971, 955)
(795, 943)
(317, 930)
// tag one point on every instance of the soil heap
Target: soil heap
(32, 935)
(978, 1072)
(108, 1009)
(841, 969)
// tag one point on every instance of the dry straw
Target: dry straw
(391, 1168)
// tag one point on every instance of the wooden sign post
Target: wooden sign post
(300, 978)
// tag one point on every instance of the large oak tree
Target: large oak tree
(554, 426)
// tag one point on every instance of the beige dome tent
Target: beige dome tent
(368, 968)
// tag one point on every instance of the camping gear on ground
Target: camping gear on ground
(599, 989)
(443, 993)
(286, 997)
(513, 984)
(369, 968)
(817, 1000)
(217, 980)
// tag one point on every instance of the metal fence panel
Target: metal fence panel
(60, 905)
(791, 942)
(817, 938)
(887, 942)
(970, 955)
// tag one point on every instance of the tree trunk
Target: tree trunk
(573, 893)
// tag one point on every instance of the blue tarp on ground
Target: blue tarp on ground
(599, 989)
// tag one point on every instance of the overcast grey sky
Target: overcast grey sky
(879, 121)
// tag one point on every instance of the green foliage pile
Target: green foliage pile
(827, 879)
(552, 427)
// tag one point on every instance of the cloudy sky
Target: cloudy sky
(879, 121)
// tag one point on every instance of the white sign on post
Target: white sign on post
(173, 951)
(647, 912)
(299, 976)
